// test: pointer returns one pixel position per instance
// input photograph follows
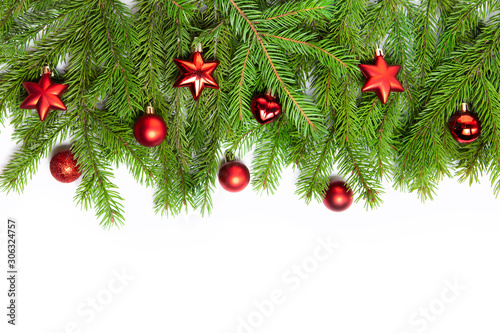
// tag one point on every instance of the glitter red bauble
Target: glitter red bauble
(265, 108)
(150, 130)
(464, 126)
(338, 196)
(234, 176)
(44, 96)
(381, 78)
(63, 167)
(196, 74)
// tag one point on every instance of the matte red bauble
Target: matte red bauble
(44, 95)
(338, 197)
(381, 78)
(465, 126)
(265, 108)
(63, 167)
(150, 129)
(234, 176)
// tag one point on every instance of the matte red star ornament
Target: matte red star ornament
(196, 74)
(381, 78)
(44, 96)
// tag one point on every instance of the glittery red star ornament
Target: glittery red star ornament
(44, 96)
(196, 74)
(381, 78)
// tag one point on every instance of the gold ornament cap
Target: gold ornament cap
(46, 70)
(150, 109)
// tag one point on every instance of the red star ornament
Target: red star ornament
(381, 78)
(44, 96)
(196, 74)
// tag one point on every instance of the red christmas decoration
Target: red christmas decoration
(338, 197)
(265, 108)
(196, 74)
(44, 95)
(464, 125)
(234, 176)
(63, 167)
(150, 129)
(381, 78)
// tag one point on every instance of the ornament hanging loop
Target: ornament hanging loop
(379, 52)
(150, 109)
(229, 156)
(198, 48)
(46, 70)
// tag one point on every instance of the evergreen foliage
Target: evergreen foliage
(117, 59)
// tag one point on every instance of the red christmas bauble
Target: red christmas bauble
(197, 74)
(150, 130)
(44, 96)
(465, 126)
(63, 167)
(265, 108)
(338, 197)
(234, 176)
(381, 78)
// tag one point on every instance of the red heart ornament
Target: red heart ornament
(265, 108)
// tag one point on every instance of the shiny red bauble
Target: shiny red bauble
(197, 74)
(265, 108)
(464, 126)
(63, 167)
(338, 196)
(234, 176)
(150, 130)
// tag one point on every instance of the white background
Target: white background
(192, 274)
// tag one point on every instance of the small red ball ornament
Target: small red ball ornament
(465, 126)
(265, 108)
(63, 167)
(150, 129)
(234, 176)
(338, 196)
